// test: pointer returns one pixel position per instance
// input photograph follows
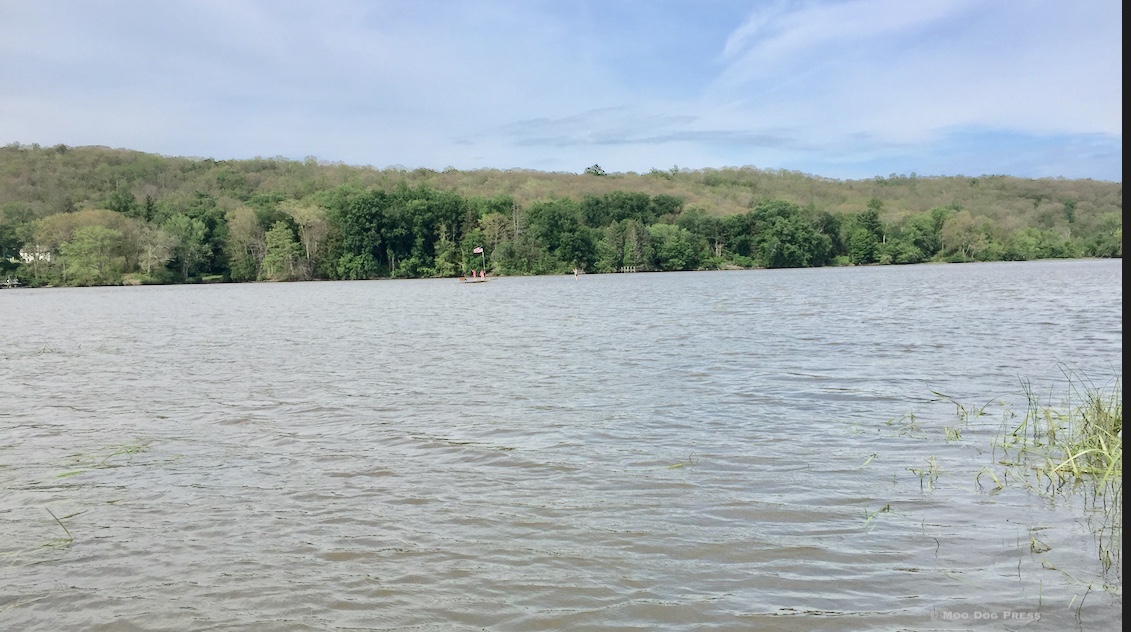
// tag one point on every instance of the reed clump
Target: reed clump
(1080, 441)
(1074, 447)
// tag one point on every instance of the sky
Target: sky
(842, 89)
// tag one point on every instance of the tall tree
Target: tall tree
(157, 248)
(313, 227)
(246, 243)
(122, 201)
(88, 256)
(192, 250)
(281, 261)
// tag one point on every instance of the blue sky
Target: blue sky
(841, 89)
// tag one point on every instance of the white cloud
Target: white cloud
(560, 86)
(907, 71)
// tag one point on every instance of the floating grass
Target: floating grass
(689, 462)
(927, 475)
(62, 542)
(129, 450)
(108, 460)
(906, 424)
(870, 517)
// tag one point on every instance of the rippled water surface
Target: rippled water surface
(676, 451)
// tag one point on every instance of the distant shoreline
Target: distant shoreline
(94, 216)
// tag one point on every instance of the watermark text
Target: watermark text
(1018, 616)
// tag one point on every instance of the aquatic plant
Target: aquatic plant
(61, 542)
(871, 516)
(1078, 442)
(927, 475)
(1071, 447)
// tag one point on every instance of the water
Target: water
(632, 452)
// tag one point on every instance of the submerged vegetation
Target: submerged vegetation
(97, 216)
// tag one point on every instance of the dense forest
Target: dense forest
(99, 216)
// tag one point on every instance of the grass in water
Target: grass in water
(62, 542)
(1079, 442)
(107, 461)
(927, 475)
(1072, 446)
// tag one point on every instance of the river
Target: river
(709, 450)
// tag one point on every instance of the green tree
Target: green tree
(15, 227)
(557, 226)
(123, 201)
(313, 229)
(791, 241)
(1107, 240)
(1034, 243)
(595, 211)
(88, 256)
(203, 207)
(496, 229)
(638, 249)
(361, 220)
(665, 205)
(862, 246)
(923, 231)
(353, 267)
(962, 237)
(192, 250)
(158, 247)
(281, 261)
(828, 224)
(900, 250)
(624, 205)
(780, 234)
(525, 255)
(246, 244)
(447, 252)
(610, 248)
(1070, 211)
(674, 247)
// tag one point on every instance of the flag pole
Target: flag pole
(479, 250)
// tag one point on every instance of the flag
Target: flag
(478, 250)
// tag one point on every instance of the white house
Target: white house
(31, 254)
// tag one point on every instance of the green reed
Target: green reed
(1074, 445)
(1079, 441)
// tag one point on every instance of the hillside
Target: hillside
(340, 221)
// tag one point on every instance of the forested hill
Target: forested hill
(92, 215)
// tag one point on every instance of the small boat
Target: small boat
(477, 276)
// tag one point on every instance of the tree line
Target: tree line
(136, 222)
